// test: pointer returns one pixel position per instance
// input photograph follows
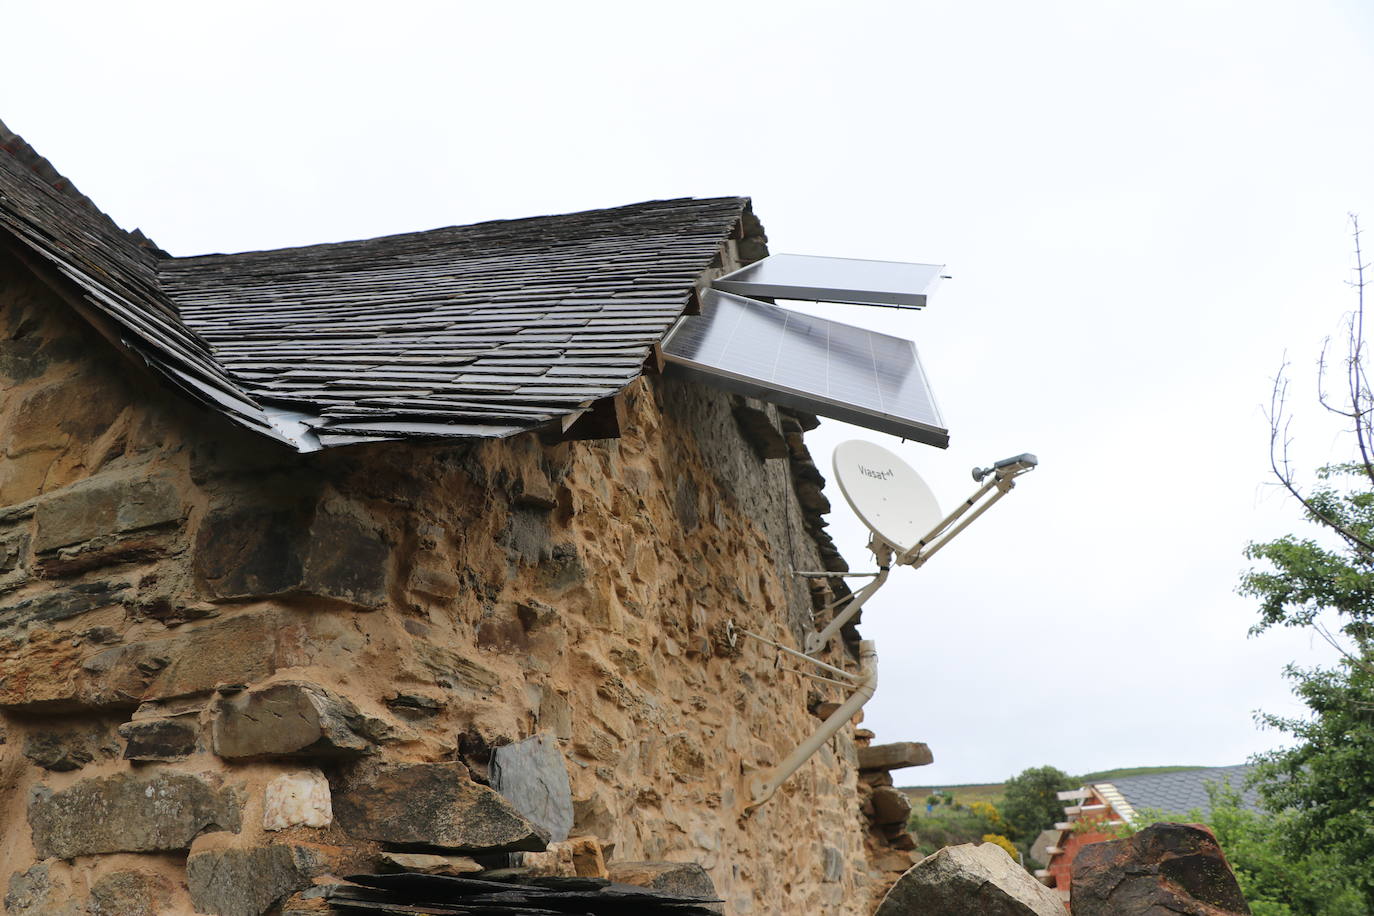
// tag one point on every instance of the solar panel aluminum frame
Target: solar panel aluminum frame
(797, 399)
(785, 276)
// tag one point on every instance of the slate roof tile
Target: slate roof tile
(503, 325)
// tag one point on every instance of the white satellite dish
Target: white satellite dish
(900, 511)
(886, 494)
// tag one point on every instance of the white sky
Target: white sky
(1143, 206)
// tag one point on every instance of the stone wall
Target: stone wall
(228, 670)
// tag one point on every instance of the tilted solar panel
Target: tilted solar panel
(819, 279)
(832, 369)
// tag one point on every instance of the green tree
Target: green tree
(1322, 787)
(1276, 882)
(1031, 802)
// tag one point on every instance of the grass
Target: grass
(963, 795)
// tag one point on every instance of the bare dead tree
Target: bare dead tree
(1357, 409)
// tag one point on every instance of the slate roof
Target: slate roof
(113, 274)
(481, 330)
(1180, 792)
(470, 331)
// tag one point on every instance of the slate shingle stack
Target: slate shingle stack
(433, 894)
(471, 331)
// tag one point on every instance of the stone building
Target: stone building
(297, 547)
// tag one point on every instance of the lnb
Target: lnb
(1007, 467)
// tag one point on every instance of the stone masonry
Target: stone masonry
(229, 671)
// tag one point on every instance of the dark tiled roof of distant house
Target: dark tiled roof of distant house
(483, 330)
(1180, 792)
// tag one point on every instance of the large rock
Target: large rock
(129, 813)
(290, 719)
(247, 882)
(432, 806)
(969, 880)
(1165, 868)
(531, 775)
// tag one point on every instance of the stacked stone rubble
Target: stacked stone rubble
(887, 809)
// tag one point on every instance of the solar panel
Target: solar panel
(825, 367)
(851, 280)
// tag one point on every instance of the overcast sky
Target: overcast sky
(1143, 207)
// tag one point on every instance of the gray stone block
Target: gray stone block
(160, 739)
(532, 776)
(426, 806)
(129, 813)
(247, 882)
(289, 719)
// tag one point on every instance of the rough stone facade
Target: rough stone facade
(228, 670)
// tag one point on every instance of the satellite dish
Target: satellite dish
(886, 494)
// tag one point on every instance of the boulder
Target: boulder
(432, 806)
(532, 776)
(969, 880)
(129, 813)
(1165, 868)
(289, 719)
(247, 882)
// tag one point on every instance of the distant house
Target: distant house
(1127, 799)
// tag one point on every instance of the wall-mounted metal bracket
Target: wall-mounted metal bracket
(864, 684)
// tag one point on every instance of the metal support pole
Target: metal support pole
(764, 789)
(815, 642)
